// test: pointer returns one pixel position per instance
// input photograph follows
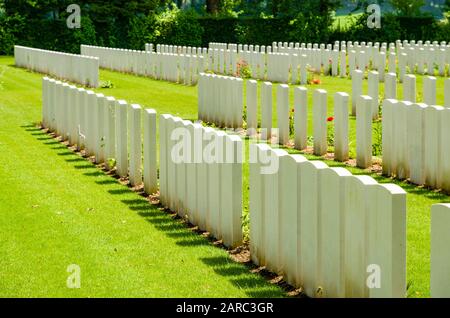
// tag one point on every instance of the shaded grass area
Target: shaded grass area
(181, 101)
(59, 209)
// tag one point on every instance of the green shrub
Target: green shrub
(310, 28)
(178, 27)
(11, 27)
(85, 35)
(141, 31)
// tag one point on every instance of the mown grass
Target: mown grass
(57, 209)
(181, 101)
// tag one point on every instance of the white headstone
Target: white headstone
(341, 101)
(150, 165)
(121, 138)
(252, 107)
(374, 82)
(283, 113)
(343, 64)
(309, 219)
(444, 169)
(400, 140)
(100, 129)
(415, 146)
(110, 131)
(381, 65)
(409, 88)
(320, 122)
(135, 145)
(289, 202)
(301, 117)
(429, 90)
(331, 230)
(440, 253)
(364, 132)
(231, 192)
(357, 82)
(358, 200)
(256, 202)
(387, 240)
(266, 110)
(433, 115)
(388, 131)
(271, 199)
(390, 87)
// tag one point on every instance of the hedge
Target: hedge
(186, 28)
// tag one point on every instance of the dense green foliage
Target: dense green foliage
(131, 24)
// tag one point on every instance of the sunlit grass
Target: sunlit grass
(58, 209)
(22, 105)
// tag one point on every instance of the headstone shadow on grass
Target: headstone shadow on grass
(170, 225)
(239, 275)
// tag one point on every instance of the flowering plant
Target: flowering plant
(291, 121)
(330, 131)
(243, 69)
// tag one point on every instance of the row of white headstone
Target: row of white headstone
(260, 65)
(338, 45)
(370, 48)
(177, 49)
(214, 60)
(333, 61)
(289, 67)
(324, 229)
(373, 89)
(416, 143)
(220, 100)
(429, 89)
(277, 67)
(105, 128)
(428, 92)
(201, 177)
(176, 68)
(80, 69)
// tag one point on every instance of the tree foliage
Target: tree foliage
(407, 7)
(131, 24)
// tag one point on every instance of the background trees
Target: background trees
(130, 24)
(408, 7)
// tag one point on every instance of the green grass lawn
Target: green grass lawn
(77, 205)
(57, 209)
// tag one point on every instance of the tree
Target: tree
(407, 7)
(212, 6)
(446, 6)
(290, 8)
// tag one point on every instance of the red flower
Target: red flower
(316, 81)
(330, 118)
